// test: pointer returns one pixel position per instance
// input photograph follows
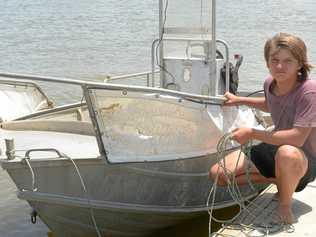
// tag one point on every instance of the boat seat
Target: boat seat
(77, 127)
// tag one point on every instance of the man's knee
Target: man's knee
(217, 172)
(289, 158)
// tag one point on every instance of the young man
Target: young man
(287, 155)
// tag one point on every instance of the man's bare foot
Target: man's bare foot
(285, 214)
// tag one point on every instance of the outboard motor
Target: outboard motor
(233, 74)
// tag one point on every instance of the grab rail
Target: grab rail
(60, 155)
(226, 62)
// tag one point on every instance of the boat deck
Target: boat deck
(71, 144)
(260, 218)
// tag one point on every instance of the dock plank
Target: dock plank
(259, 218)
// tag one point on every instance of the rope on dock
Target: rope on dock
(232, 186)
(234, 190)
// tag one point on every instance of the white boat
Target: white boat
(131, 159)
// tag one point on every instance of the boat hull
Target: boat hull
(133, 199)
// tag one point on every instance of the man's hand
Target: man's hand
(242, 135)
(231, 99)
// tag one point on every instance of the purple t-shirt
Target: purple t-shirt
(295, 109)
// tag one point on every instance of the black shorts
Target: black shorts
(263, 157)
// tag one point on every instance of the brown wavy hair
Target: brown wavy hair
(295, 45)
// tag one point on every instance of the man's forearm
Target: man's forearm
(255, 102)
(295, 137)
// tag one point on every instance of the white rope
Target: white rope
(88, 197)
(34, 189)
(236, 194)
(232, 187)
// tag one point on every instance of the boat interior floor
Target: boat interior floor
(74, 139)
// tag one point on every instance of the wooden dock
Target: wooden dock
(260, 219)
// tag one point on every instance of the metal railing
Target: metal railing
(99, 85)
(148, 76)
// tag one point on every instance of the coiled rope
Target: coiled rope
(232, 186)
(235, 193)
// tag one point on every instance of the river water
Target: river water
(92, 39)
